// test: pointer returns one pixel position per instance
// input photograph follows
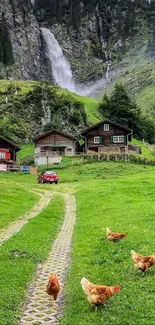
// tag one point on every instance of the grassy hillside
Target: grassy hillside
(29, 107)
(90, 106)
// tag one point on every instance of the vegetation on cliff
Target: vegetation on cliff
(27, 108)
(120, 108)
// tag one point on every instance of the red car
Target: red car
(48, 177)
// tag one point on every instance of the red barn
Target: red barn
(8, 150)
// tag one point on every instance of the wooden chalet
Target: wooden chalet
(106, 136)
(8, 150)
(51, 146)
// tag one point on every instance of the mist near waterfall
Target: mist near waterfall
(61, 69)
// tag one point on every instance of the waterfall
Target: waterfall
(103, 42)
(60, 66)
(61, 70)
(107, 72)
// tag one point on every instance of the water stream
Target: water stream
(61, 70)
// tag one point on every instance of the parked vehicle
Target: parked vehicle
(48, 177)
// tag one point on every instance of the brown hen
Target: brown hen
(98, 294)
(141, 262)
(114, 236)
(53, 287)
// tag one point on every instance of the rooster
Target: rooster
(53, 287)
(141, 262)
(98, 294)
(114, 236)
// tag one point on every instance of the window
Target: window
(2, 155)
(106, 127)
(97, 139)
(69, 149)
(118, 139)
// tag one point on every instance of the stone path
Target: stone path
(15, 226)
(39, 309)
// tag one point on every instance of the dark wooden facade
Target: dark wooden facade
(106, 136)
(8, 150)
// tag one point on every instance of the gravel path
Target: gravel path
(15, 226)
(39, 309)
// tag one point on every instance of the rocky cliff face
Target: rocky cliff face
(91, 34)
(23, 34)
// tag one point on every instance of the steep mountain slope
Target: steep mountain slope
(30, 107)
(137, 72)
(105, 31)
(95, 36)
(19, 41)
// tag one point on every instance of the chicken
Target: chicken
(53, 287)
(98, 294)
(141, 262)
(114, 236)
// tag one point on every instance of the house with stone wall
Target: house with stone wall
(105, 136)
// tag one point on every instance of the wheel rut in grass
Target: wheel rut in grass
(15, 226)
(39, 309)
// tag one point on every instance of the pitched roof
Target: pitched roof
(110, 122)
(10, 142)
(43, 135)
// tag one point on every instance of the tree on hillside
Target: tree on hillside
(119, 107)
(122, 107)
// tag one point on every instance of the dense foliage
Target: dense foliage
(41, 107)
(120, 108)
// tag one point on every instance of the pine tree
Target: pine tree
(122, 107)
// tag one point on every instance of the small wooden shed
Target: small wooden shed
(51, 146)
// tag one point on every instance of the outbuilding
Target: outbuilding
(51, 146)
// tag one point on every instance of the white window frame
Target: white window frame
(106, 127)
(118, 139)
(2, 155)
(97, 140)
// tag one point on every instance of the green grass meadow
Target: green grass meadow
(117, 195)
(14, 202)
(125, 204)
(20, 256)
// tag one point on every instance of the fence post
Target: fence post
(107, 157)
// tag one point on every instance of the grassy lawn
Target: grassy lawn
(20, 255)
(26, 150)
(123, 204)
(15, 202)
(115, 195)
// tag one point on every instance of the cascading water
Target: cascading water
(103, 42)
(61, 70)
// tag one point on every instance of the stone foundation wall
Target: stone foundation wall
(111, 149)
